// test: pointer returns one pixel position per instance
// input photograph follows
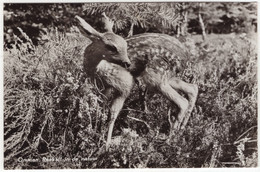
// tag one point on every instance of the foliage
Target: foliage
(54, 114)
(144, 15)
(37, 15)
(41, 98)
(37, 19)
(224, 17)
(243, 15)
(130, 18)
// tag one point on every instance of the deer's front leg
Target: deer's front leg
(116, 107)
(121, 80)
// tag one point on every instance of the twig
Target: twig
(231, 163)
(249, 141)
(66, 128)
(129, 109)
(237, 140)
(169, 118)
(136, 119)
(215, 155)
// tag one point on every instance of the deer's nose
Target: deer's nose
(127, 64)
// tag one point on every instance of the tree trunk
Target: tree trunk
(202, 25)
(131, 31)
(184, 25)
(178, 30)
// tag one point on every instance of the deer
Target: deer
(147, 58)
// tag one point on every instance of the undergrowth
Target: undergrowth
(55, 117)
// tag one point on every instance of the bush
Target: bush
(55, 118)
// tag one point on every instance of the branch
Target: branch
(147, 125)
(243, 134)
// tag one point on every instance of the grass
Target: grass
(54, 118)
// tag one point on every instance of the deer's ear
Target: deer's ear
(88, 30)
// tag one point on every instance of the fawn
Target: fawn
(152, 57)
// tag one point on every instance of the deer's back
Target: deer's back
(154, 51)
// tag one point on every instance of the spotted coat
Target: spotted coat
(160, 53)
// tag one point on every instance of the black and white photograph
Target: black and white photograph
(130, 85)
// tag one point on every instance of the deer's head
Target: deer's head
(111, 47)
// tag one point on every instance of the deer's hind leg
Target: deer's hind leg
(182, 103)
(191, 90)
(154, 79)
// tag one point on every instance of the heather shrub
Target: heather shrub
(54, 113)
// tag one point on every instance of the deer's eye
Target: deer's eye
(112, 48)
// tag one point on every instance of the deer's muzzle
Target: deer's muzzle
(127, 64)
